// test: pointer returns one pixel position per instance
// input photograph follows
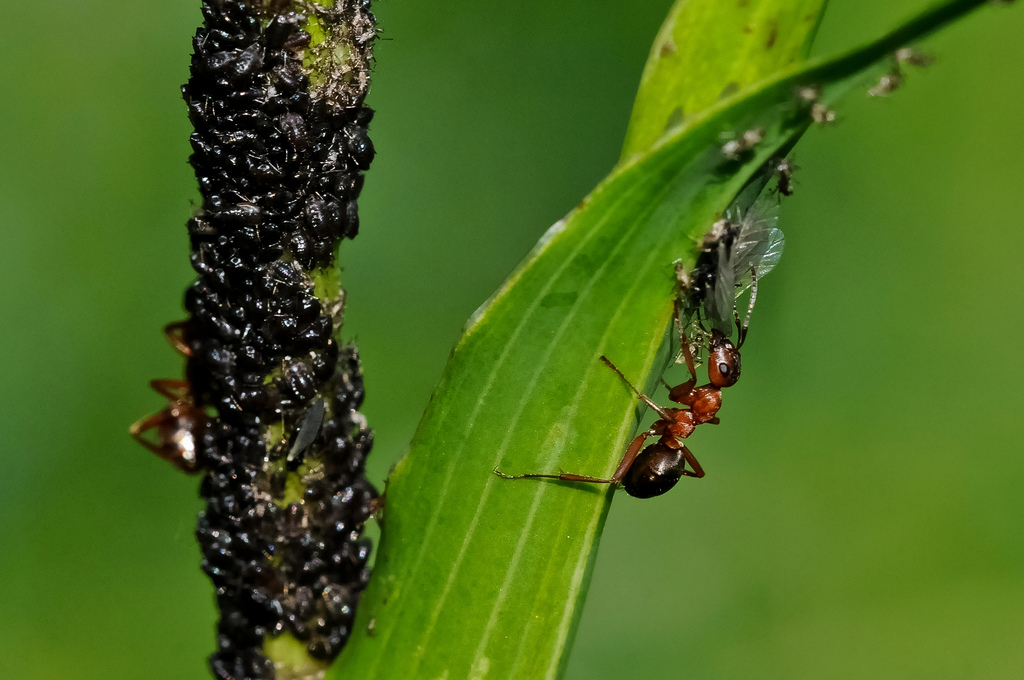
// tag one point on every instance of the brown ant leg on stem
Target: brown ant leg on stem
(169, 388)
(143, 425)
(627, 460)
(176, 426)
(175, 333)
(377, 507)
(644, 474)
(175, 440)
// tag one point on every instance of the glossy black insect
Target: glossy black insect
(784, 170)
(298, 382)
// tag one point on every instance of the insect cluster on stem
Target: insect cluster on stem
(268, 412)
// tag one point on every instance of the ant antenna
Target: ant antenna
(742, 328)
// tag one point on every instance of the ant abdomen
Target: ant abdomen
(656, 470)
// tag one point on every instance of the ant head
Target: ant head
(723, 361)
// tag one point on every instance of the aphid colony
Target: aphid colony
(892, 80)
(268, 412)
(739, 249)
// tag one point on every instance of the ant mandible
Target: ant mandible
(655, 469)
(177, 424)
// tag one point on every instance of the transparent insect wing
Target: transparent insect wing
(308, 429)
(759, 243)
(720, 300)
(754, 235)
(772, 253)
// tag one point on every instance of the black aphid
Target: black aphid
(271, 400)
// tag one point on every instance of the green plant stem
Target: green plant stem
(483, 577)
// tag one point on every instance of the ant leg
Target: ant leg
(632, 451)
(564, 477)
(684, 345)
(683, 394)
(640, 395)
(377, 506)
(143, 425)
(698, 471)
(175, 390)
(678, 324)
(175, 333)
(168, 452)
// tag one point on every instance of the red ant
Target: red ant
(656, 469)
(177, 424)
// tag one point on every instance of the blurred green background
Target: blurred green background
(862, 513)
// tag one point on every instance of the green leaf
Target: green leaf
(479, 576)
(707, 49)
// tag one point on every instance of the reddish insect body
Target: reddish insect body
(740, 248)
(651, 471)
(178, 424)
